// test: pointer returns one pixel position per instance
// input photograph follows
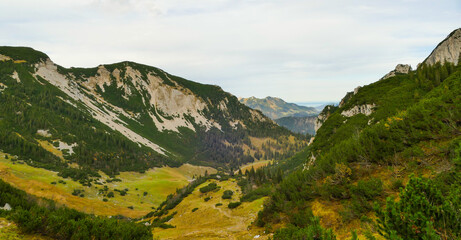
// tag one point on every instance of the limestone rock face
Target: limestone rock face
(7, 207)
(322, 117)
(448, 50)
(399, 69)
(366, 109)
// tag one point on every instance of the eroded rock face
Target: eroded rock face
(366, 109)
(399, 69)
(322, 117)
(448, 50)
(319, 121)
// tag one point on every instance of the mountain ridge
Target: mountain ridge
(275, 108)
(177, 119)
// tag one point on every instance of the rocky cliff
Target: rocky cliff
(123, 116)
(399, 69)
(448, 50)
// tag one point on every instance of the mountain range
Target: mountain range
(122, 117)
(276, 108)
(299, 119)
(384, 164)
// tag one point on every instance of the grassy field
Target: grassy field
(210, 221)
(255, 165)
(145, 190)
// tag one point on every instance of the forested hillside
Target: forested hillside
(398, 137)
(121, 117)
(303, 125)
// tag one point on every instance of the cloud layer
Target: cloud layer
(299, 50)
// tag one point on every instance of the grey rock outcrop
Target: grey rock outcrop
(399, 69)
(349, 96)
(366, 109)
(448, 50)
(7, 207)
(322, 117)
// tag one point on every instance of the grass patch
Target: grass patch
(157, 183)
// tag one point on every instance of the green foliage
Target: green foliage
(368, 189)
(195, 209)
(233, 205)
(423, 212)
(256, 194)
(313, 230)
(23, 53)
(407, 114)
(227, 194)
(161, 222)
(208, 188)
(64, 223)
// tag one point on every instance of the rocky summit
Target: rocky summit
(449, 50)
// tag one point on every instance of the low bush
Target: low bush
(227, 194)
(233, 205)
(210, 187)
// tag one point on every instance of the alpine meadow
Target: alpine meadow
(130, 151)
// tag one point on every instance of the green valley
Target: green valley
(129, 151)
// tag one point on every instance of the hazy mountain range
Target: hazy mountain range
(296, 118)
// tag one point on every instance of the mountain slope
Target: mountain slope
(303, 125)
(369, 147)
(120, 117)
(277, 108)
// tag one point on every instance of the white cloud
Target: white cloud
(295, 49)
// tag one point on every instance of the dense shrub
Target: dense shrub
(368, 189)
(423, 212)
(233, 205)
(311, 231)
(256, 194)
(208, 188)
(227, 194)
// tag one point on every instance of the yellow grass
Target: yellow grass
(258, 142)
(50, 148)
(158, 183)
(255, 165)
(210, 221)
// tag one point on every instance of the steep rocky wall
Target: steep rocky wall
(448, 50)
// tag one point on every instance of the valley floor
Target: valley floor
(145, 190)
(212, 221)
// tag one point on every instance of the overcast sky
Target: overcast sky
(299, 50)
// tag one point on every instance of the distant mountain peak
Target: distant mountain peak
(449, 50)
(276, 108)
